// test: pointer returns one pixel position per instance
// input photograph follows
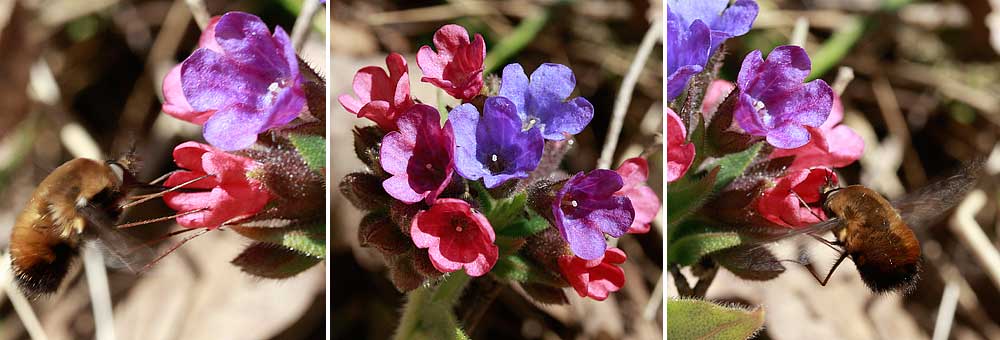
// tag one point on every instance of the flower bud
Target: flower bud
(540, 196)
(545, 248)
(545, 294)
(402, 213)
(724, 136)
(367, 146)
(422, 263)
(300, 192)
(377, 230)
(403, 275)
(365, 191)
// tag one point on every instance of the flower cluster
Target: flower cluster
(751, 158)
(463, 189)
(245, 86)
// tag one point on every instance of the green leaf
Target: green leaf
(697, 319)
(513, 268)
(506, 210)
(312, 149)
(733, 165)
(687, 195)
(273, 261)
(482, 196)
(525, 227)
(689, 249)
(309, 241)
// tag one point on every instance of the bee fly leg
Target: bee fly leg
(832, 244)
(812, 270)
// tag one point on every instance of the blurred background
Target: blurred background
(73, 71)
(922, 90)
(598, 41)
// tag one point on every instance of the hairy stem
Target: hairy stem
(428, 313)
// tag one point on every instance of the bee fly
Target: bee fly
(79, 201)
(876, 233)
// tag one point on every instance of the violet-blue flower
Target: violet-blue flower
(774, 103)
(687, 52)
(543, 100)
(494, 147)
(695, 29)
(724, 22)
(253, 85)
(586, 208)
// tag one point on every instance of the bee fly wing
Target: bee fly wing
(927, 205)
(817, 228)
(119, 249)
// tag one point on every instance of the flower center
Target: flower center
(574, 203)
(458, 229)
(273, 90)
(496, 164)
(762, 112)
(428, 166)
(530, 123)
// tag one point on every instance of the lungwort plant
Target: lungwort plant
(746, 162)
(473, 192)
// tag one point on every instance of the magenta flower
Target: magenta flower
(680, 153)
(830, 145)
(174, 103)
(457, 67)
(779, 204)
(229, 193)
(456, 237)
(635, 172)
(381, 97)
(420, 156)
(494, 147)
(594, 278)
(586, 208)
(253, 84)
(774, 103)
(543, 100)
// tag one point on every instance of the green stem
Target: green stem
(428, 313)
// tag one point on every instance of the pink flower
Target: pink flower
(830, 145)
(381, 97)
(420, 156)
(174, 102)
(680, 153)
(634, 172)
(780, 205)
(595, 278)
(230, 194)
(457, 67)
(456, 237)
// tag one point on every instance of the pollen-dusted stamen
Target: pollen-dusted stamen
(494, 157)
(574, 204)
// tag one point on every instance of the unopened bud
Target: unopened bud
(368, 145)
(545, 294)
(365, 191)
(377, 230)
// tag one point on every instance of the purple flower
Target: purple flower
(586, 208)
(544, 100)
(420, 156)
(687, 52)
(724, 22)
(695, 29)
(253, 84)
(494, 148)
(775, 103)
